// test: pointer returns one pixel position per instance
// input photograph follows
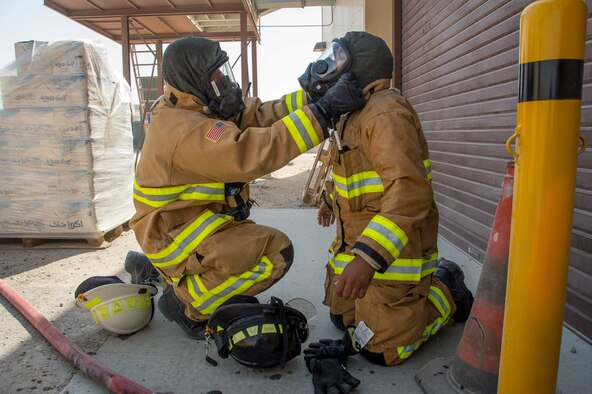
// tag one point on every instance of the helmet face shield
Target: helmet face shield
(332, 63)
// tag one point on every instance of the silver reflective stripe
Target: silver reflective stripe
(173, 196)
(388, 234)
(301, 130)
(234, 286)
(184, 243)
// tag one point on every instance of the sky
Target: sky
(283, 54)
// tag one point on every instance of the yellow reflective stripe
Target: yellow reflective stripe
(239, 336)
(92, 303)
(160, 196)
(428, 167)
(429, 265)
(94, 316)
(437, 298)
(188, 239)
(294, 100)
(301, 130)
(206, 301)
(387, 234)
(408, 270)
(357, 184)
(268, 328)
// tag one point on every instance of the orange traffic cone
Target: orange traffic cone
(476, 365)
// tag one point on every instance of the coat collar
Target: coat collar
(178, 99)
(376, 86)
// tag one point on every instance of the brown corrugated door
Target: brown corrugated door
(460, 71)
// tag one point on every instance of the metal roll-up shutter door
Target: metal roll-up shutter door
(460, 72)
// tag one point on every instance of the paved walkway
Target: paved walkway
(162, 358)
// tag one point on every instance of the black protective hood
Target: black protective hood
(187, 62)
(371, 58)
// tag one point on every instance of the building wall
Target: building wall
(460, 71)
(373, 16)
(378, 19)
(348, 15)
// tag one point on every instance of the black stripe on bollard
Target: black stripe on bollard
(559, 79)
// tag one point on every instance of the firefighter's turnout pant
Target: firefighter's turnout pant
(402, 316)
(242, 258)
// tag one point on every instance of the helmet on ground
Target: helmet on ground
(258, 335)
(118, 307)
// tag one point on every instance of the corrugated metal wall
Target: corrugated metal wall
(460, 72)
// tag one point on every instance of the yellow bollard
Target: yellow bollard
(552, 37)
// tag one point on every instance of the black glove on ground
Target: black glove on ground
(343, 97)
(339, 349)
(331, 377)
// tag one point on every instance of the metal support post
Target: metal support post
(552, 38)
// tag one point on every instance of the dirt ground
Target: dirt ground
(47, 279)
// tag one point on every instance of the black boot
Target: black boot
(172, 308)
(140, 268)
(453, 277)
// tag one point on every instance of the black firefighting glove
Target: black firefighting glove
(329, 376)
(339, 349)
(343, 97)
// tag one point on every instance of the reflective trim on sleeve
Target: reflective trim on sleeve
(438, 299)
(294, 100)
(206, 301)
(429, 264)
(428, 167)
(357, 184)
(405, 270)
(160, 196)
(386, 233)
(187, 240)
(302, 130)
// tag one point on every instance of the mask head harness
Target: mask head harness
(326, 70)
(222, 91)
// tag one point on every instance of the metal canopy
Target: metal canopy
(164, 20)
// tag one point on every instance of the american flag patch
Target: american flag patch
(215, 133)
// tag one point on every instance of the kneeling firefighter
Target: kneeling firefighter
(203, 146)
(385, 284)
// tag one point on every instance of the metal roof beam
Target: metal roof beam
(148, 11)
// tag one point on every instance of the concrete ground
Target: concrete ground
(163, 359)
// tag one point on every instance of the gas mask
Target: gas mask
(326, 70)
(223, 92)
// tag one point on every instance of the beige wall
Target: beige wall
(378, 19)
(348, 15)
(373, 16)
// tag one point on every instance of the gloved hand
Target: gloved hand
(343, 97)
(339, 349)
(329, 376)
(305, 82)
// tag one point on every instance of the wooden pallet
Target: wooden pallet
(318, 174)
(100, 240)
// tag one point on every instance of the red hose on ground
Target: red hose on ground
(95, 370)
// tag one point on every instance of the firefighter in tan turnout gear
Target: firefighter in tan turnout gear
(383, 275)
(203, 146)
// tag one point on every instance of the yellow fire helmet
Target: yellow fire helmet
(118, 307)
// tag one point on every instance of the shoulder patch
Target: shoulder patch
(216, 131)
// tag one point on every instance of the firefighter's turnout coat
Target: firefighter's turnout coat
(193, 171)
(381, 194)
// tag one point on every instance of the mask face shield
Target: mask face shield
(223, 92)
(332, 63)
(222, 80)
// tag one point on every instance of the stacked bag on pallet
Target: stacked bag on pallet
(66, 155)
